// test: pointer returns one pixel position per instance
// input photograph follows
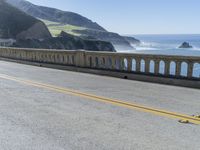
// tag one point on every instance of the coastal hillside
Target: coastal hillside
(72, 23)
(18, 25)
(118, 41)
(18, 29)
(55, 15)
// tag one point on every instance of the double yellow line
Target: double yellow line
(184, 118)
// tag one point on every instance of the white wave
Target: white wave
(146, 48)
(149, 44)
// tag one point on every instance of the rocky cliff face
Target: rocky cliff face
(55, 15)
(118, 41)
(66, 41)
(15, 23)
(37, 31)
(132, 40)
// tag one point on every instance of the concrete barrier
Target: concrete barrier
(123, 65)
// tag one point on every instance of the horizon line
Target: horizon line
(163, 34)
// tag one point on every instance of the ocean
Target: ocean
(169, 45)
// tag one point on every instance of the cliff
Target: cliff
(118, 41)
(132, 40)
(16, 24)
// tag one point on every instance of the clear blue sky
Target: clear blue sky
(136, 16)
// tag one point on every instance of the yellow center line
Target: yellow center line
(121, 103)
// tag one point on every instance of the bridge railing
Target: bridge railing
(160, 65)
(164, 65)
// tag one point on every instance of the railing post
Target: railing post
(129, 64)
(156, 69)
(190, 69)
(138, 62)
(93, 62)
(100, 62)
(167, 68)
(122, 64)
(80, 58)
(113, 63)
(107, 64)
(147, 63)
(178, 68)
(87, 61)
(104, 62)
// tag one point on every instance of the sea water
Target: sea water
(169, 45)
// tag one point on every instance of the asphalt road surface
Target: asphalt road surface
(49, 109)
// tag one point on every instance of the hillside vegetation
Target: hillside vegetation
(56, 28)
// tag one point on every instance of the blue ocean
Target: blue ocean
(169, 45)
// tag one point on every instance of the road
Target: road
(49, 109)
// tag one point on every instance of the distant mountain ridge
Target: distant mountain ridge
(55, 15)
(18, 25)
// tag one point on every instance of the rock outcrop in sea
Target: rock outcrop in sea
(185, 45)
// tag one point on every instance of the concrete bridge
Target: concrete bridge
(174, 70)
(45, 108)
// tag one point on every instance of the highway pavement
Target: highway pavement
(49, 109)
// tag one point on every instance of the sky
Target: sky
(136, 16)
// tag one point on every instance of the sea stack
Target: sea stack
(185, 45)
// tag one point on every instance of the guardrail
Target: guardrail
(158, 65)
(164, 65)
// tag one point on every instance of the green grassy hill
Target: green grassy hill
(56, 28)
